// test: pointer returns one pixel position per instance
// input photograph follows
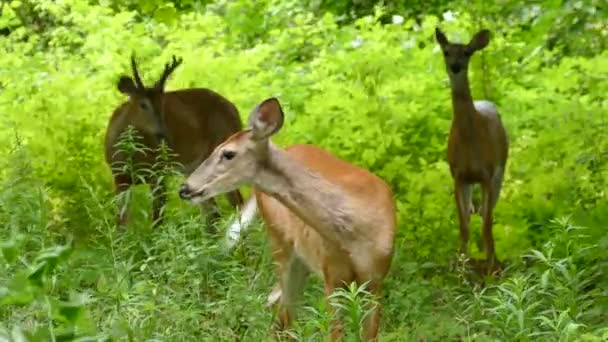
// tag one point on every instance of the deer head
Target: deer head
(149, 100)
(457, 55)
(236, 161)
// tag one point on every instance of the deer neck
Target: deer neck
(316, 201)
(462, 102)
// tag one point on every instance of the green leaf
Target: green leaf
(36, 275)
(13, 297)
(70, 311)
(9, 251)
(166, 13)
(51, 257)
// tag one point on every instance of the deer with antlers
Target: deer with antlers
(192, 122)
(323, 214)
(478, 146)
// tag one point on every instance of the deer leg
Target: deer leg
(497, 186)
(372, 321)
(121, 184)
(489, 197)
(159, 199)
(293, 274)
(335, 278)
(211, 213)
(462, 193)
(336, 328)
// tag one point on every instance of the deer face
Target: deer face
(457, 55)
(148, 101)
(237, 161)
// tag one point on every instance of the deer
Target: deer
(191, 122)
(323, 215)
(478, 146)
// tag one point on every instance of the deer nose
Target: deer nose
(184, 191)
(455, 68)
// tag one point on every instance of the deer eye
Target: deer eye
(143, 105)
(468, 52)
(445, 53)
(228, 155)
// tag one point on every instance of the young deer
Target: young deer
(322, 214)
(477, 146)
(192, 122)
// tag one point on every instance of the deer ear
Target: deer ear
(440, 37)
(266, 119)
(126, 85)
(480, 40)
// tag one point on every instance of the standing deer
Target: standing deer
(191, 121)
(322, 214)
(478, 146)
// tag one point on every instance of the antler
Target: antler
(138, 81)
(169, 68)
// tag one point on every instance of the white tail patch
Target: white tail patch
(274, 296)
(241, 223)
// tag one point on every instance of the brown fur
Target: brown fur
(363, 255)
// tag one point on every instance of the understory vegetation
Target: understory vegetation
(366, 82)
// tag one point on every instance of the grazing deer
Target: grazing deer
(191, 121)
(322, 214)
(478, 146)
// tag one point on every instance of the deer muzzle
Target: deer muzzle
(455, 68)
(195, 196)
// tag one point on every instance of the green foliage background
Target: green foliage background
(352, 79)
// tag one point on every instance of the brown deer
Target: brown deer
(191, 121)
(323, 214)
(478, 146)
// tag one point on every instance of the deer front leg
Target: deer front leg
(492, 262)
(491, 192)
(462, 193)
(293, 275)
(336, 328)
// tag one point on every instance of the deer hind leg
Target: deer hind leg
(293, 274)
(338, 277)
(372, 321)
(462, 193)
